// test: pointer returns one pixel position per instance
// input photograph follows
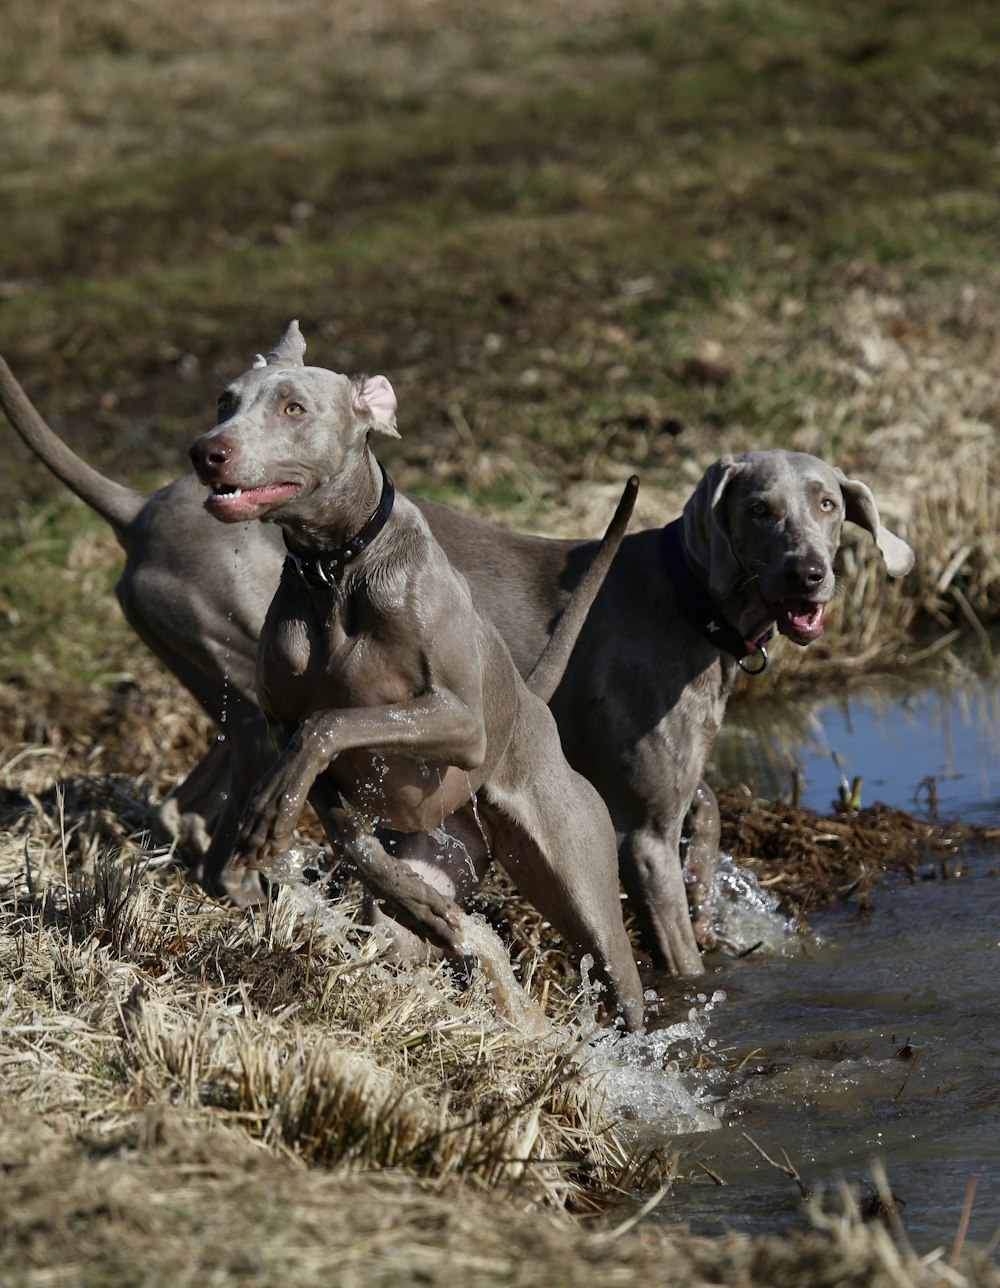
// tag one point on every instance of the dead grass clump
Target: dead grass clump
(179, 1201)
(958, 518)
(288, 1022)
(811, 861)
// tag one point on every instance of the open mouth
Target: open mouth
(800, 620)
(227, 501)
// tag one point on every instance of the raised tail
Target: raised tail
(114, 502)
(544, 677)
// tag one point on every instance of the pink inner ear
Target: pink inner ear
(377, 395)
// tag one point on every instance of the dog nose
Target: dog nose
(210, 451)
(814, 575)
(806, 571)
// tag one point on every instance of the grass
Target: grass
(56, 578)
(501, 183)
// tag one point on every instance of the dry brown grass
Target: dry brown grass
(293, 1030)
(180, 1204)
(191, 1092)
(811, 862)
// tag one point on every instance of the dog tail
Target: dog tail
(544, 677)
(114, 502)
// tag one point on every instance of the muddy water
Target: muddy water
(883, 1042)
(882, 1039)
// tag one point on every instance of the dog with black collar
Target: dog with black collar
(396, 705)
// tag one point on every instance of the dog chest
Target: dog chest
(307, 663)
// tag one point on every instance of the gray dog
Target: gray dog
(383, 682)
(643, 694)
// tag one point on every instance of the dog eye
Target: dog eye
(827, 503)
(758, 509)
(294, 409)
(225, 406)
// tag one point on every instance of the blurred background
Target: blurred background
(580, 239)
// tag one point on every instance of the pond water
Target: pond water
(895, 737)
(880, 1038)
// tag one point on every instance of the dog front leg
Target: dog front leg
(192, 808)
(401, 891)
(437, 727)
(651, 872)
(406, 897)
(703, 829)
(452, 861)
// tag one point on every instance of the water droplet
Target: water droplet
(475, 815)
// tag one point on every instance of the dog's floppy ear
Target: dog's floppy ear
(375, 401)
(860, 508)
(288, 352)
(706, 527)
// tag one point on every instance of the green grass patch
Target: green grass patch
(58, 566)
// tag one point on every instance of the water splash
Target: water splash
(649, 1096)
(649, 1093)
(479, 940)
(450, 846)
(479, 822)
(226, 654)
(308, 900)
(369, 802)
(224, 711)
(514, 1005)
(440, 778)
(745, 915)
(652, 1091)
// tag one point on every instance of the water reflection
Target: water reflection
(894, 736)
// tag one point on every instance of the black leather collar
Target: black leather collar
(326, 569)
(701, 610)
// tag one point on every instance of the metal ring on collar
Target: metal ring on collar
(754, 670)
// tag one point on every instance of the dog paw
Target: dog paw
(268, 826)
(188, 832)
(429, 914)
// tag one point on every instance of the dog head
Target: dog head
(764, 528)
(286, 431)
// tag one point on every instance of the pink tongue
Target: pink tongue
(801, 617)
(269, 492)
(256, 495)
